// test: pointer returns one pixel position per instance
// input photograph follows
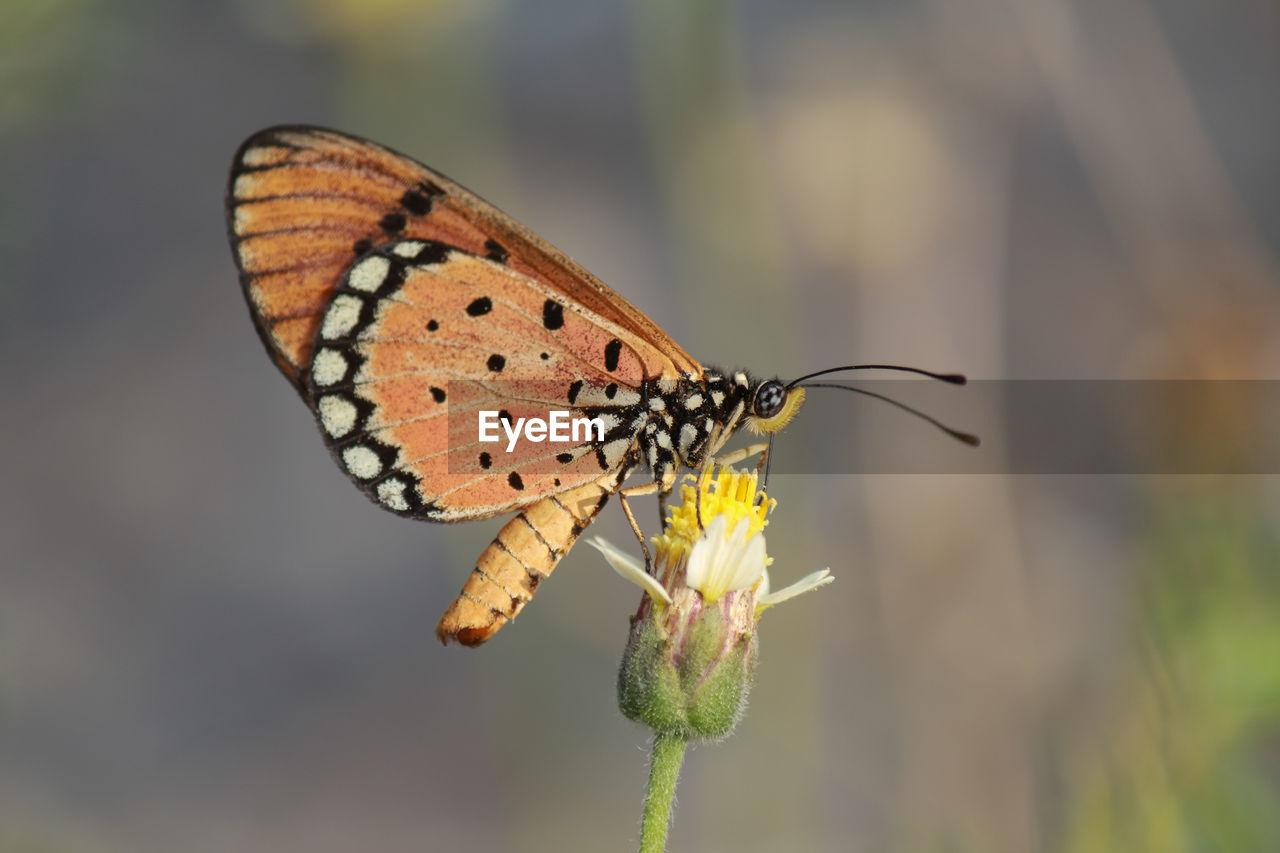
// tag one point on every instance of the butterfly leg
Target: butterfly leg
(637, 491)
(745, 453)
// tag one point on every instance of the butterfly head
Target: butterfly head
(773, 405)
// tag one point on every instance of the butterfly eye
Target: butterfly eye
(770, 398)
(774, 406)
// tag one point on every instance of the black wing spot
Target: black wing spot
(430, 188)
(573, 390)
(564, 458)
(496, 363)
(556, 481)
(552, 314)
(611, 390)
(612, 350)
(432, 252)
(485, 461)
(416, 202)
(437, 394)
(432, 325)
(504, 415)
(393, 223)
(493, 251)
(362, 246)
(544, 356)
(480, 307)
(516, 483)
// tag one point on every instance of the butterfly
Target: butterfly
(401, 307)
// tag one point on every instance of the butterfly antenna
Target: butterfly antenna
(951, 378)
(964, 437)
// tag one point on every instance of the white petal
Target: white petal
(630, 568)
(720, 563)
(805, 584)
(751, 563)
(702, 556)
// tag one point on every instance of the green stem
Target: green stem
(664, 769)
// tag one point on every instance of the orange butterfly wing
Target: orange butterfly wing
(304, 203)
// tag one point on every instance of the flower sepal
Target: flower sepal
(687, 668)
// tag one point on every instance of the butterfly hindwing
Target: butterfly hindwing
(420, 338)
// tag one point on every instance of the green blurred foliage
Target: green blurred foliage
(51, 53)
(1190, 762)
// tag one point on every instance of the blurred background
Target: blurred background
(209, 641)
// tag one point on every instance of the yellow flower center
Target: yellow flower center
(731, 494)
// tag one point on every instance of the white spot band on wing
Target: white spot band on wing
(341, 317)
(369, 274)
(362, 462)
(337, 415)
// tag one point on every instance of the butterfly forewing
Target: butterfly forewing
(304, 203)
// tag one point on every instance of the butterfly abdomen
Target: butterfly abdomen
(525, 552)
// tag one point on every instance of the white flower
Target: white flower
(691, 651)
(713, 543)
